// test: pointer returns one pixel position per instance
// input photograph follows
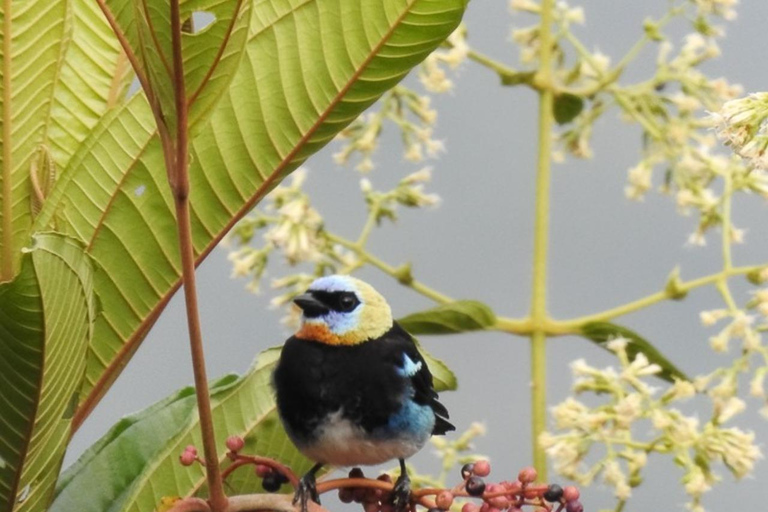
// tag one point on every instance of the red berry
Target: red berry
(485, 507)
(371, 506)
(527, 475)
(384, 478)
(235, 443)
(571, 493)
(482, 468)
(187, 458)
(444, 500)
(191, 449)
(475, 486)
(470, 507)
(356, 473)
(501, 502)
(262, 470)
(574, 506)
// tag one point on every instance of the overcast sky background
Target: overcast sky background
(604, 251)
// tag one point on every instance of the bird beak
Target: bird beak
(310, 305)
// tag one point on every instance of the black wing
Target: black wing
(424, 390)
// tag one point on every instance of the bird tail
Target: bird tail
(442, 426)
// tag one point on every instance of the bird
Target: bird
(352, 388)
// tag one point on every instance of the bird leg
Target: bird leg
(307, 488)
(401, 494)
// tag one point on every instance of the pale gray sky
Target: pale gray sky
(605, 250)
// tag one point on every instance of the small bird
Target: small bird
(352, 389)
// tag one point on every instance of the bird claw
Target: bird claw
(401, 493)
(306, 490)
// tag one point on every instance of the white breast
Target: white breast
(341, 443)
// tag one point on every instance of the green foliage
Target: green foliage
(45, 328)
(136, 463)
(117, 181)
(443, 377)
(267, 89)
(603, 332)
(452, 318)
(26, 108)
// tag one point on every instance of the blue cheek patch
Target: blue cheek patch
(340, 323)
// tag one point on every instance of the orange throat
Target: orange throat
(320, 333)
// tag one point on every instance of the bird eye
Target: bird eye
(348, 302)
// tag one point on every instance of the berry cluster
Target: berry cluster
(508, 495)
(373, 499)
(189, 456)
(375, 495)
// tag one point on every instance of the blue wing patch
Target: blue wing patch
(409, 368)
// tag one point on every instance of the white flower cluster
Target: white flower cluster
(743, 125)
(628, 401)
(291, 227)
(413, 116)
(432, 74)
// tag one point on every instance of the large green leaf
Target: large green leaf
(94, 77)
(46, 319)
(452, 318)
(136, 463)
(33, 42)
(210, 55)
(602, 332)
(309, 69)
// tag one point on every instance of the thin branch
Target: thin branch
(219, 54)
(179, 181)
(396, 272)
(573, 325)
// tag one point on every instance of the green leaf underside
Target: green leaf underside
(46, 321)
(94, 77)
(602, 332)
(147, 27)
(309, 69)
(31, 53)
(443, 377)
(452, 318)
(136, 463)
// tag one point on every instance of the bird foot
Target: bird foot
(306, 490)
(401, 493)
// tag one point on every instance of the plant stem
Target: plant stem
(395, 272)
(179, 181)
(573, 325)
(727, 227)
(541, 241)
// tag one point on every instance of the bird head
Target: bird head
(342, 310)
